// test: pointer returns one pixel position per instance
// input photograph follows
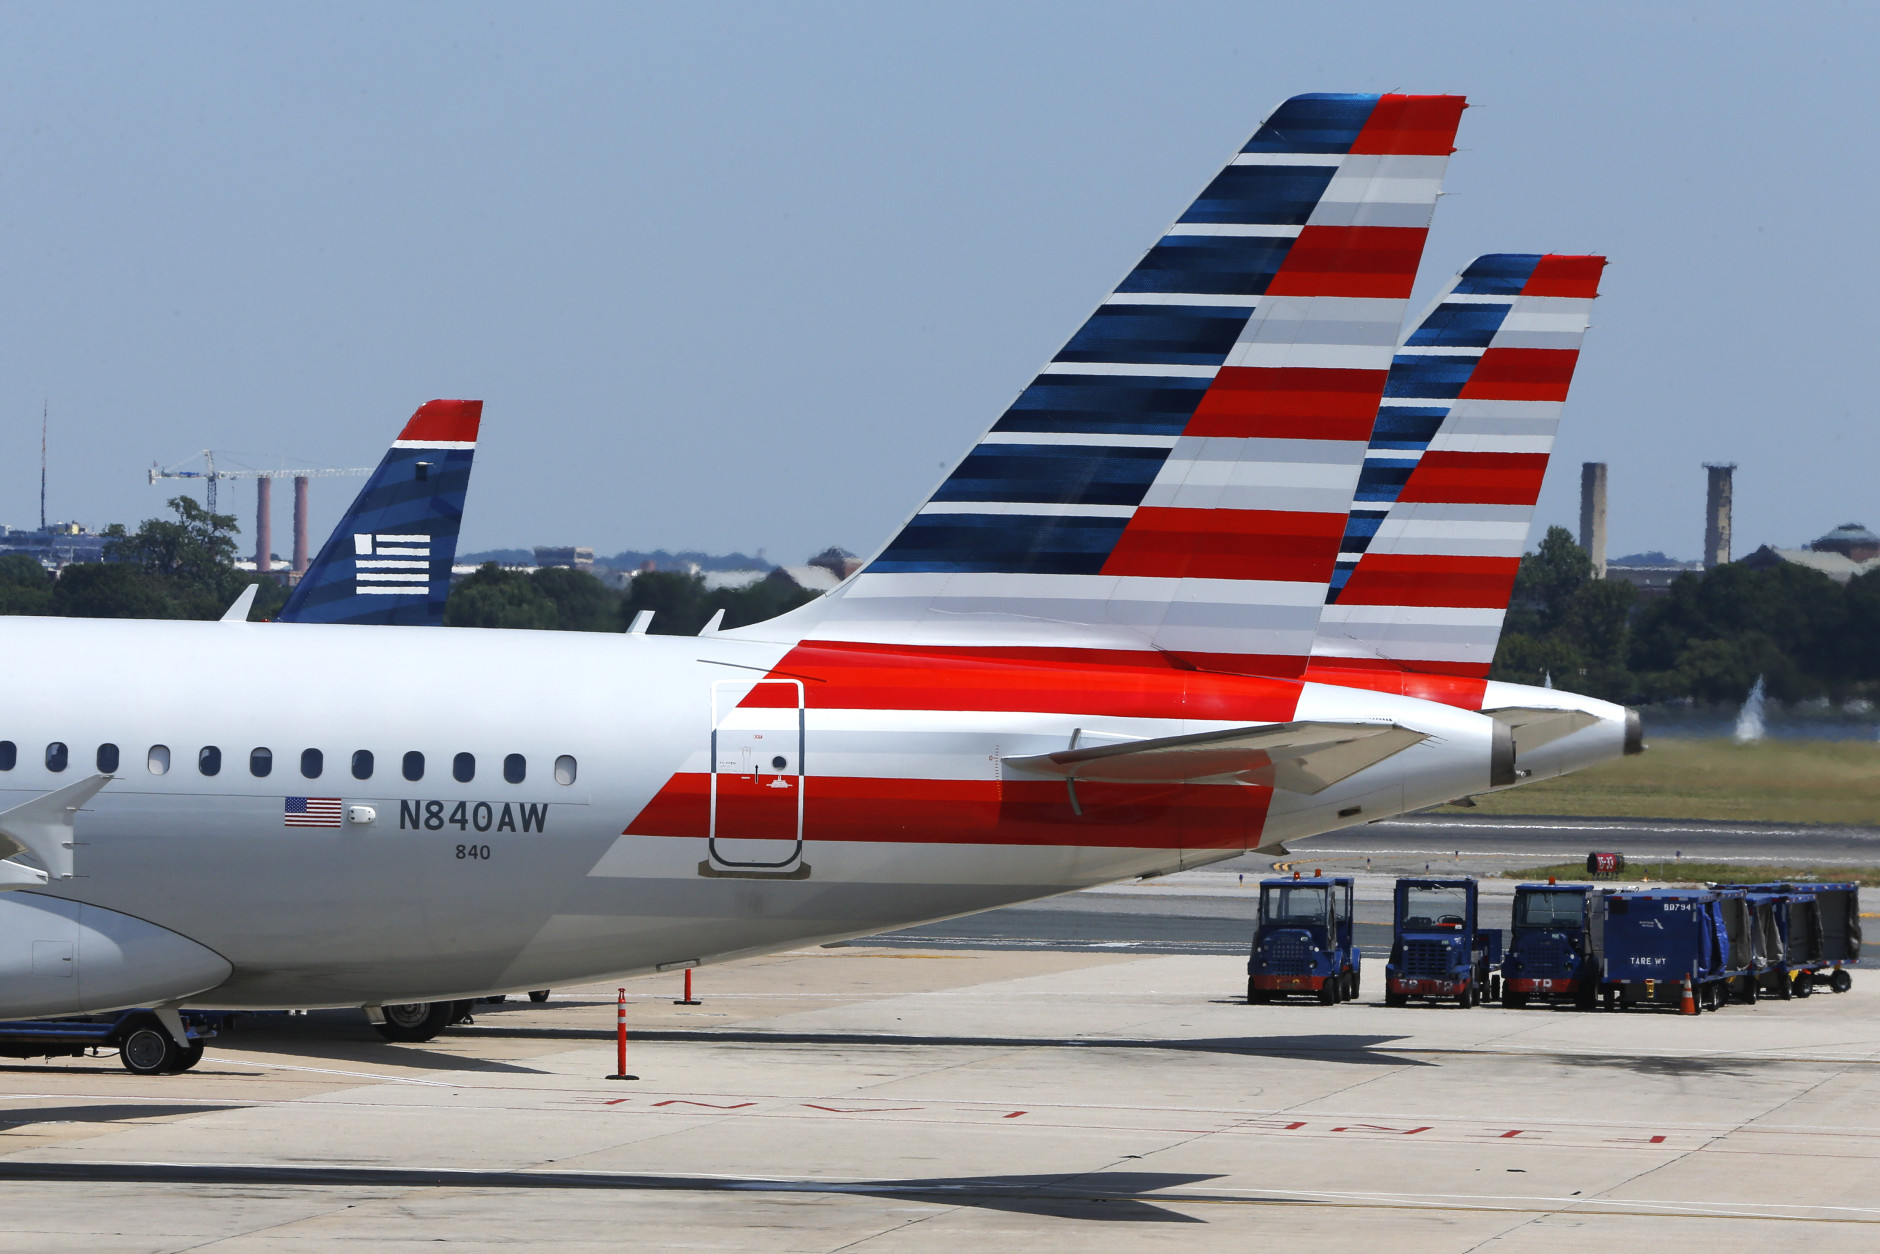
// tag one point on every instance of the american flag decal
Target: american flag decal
(391, 565)
(310, 812)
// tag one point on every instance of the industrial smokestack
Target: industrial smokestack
(1593, 514)
(264, 524)
(300, 524)
(1717, 514)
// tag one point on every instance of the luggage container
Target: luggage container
(1737, 921)
(1303, 943)
(1651, 941)
(1769, 964)
(1836, 929)
(1550, 947)
(1437, 951)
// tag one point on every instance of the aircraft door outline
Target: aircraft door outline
(757, 778)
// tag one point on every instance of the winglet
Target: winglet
(238, 611)
(43, 828)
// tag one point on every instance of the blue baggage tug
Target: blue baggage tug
(143, 1044)
(1650, 942)
(1550, 947)
(1303, 943)
(1819, 937)
(1437, 951)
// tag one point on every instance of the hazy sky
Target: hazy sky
(740, 276)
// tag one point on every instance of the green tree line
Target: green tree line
(1708, 639)
(185, 568)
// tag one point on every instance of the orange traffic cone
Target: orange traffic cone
(1689, 1005)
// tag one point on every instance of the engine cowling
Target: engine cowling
(61, 957)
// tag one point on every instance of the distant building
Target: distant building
(1843, 553)
(1651, 573)
(576, 558)
(54, 546)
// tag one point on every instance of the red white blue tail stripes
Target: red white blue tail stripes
(1429, 554)
(1178, 477)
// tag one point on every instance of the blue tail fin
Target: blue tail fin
(388, 561)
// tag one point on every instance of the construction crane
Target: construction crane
(264, 498)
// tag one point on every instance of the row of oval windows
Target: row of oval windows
(463, 767)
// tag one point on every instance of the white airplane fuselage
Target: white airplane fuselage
(894, 806)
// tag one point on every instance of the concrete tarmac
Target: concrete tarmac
(890, 1099)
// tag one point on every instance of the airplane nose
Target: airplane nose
(1634, 733)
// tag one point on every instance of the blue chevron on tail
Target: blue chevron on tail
(388, 562)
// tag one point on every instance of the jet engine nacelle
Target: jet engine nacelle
(61, 957)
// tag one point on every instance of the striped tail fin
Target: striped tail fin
(388, 562)
(1455, 466)
(1177, 479)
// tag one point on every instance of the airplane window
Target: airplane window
(9, 755)
(362, 764)
(414, 766)
(209, 760)
(56, 756)
(463, 767)
(260, 763)
(159, 759)
(312, 762)
(564, 769)
(107, 759)
(515, 768)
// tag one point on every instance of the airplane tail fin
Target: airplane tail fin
(1463, 435)
(1177, 478)
(388, 561)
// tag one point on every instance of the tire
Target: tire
(1466, 998)
(460, 1011)
(1357, 984)
(1804, 984)
(1494, 988)
(1396, 999)
(150, 1050)
(1511, 999)
(416, 1021)
(539, 996)
(1786, 988)
(1258, 996)
(1328, 991)
(1840, 981)
(187, 1058)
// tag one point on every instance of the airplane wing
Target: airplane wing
(1297, 757)
(43, 828)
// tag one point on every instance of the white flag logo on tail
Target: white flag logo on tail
(393, 565)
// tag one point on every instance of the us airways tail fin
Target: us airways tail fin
(1454, 468)
(1177, 478)
(388, 561)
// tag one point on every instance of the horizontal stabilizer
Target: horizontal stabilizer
(1297, 757)
(1536, 727)
(43, 828)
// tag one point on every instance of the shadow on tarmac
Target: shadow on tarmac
(1101, 1195)
(22, 1116)
(1326, 1047)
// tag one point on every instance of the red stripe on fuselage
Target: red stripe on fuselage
(1461, 684)
(981, 812)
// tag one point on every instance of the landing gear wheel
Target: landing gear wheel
(415, 1021)
(539, 995)
(152, 1051)
(1840, 981)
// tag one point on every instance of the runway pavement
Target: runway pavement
(895, 1101)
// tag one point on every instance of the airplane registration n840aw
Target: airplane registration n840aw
(1141, 626)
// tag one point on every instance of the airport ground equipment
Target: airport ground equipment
(1648, 942)
(1769, 962)
(1437, 951)
(144, 1044)
(1303, 943)
(1738, 921)
(1836, 927)
(1550, 947)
